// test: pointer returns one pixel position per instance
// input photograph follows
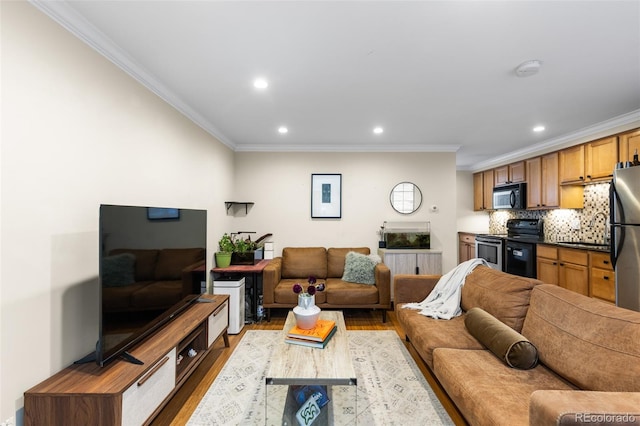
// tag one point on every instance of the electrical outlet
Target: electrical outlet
(575, 224)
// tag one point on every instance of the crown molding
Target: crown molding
(76, 24)
(614, 125)
(346, 148)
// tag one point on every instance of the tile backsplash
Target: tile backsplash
(586, 224)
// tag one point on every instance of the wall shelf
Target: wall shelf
(246, 205)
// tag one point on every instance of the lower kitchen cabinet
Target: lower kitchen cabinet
(602, 278)
(466, 246)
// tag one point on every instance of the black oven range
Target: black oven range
(515, 251)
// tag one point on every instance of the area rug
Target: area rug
(391, 388)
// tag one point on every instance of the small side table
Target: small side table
(254, 270)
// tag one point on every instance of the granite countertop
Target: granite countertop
(578, 245)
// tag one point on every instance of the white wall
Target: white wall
(78, 132)
(469, 220)
(280, 186)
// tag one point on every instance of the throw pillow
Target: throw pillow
(506, 343)
(359, 268)
(118, 270)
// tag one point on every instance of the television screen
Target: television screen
(150, 270)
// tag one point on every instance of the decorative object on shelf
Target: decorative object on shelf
(381, 242)
(225, 248)
(245, 251)
(326, 196)
(406, 198)
(307, 312)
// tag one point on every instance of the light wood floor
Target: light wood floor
(179, 409)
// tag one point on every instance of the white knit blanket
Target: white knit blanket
(444, 300)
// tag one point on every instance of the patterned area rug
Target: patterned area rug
(391, 388)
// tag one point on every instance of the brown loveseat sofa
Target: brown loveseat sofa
(588, 350)
(148, 279)
(298, 263)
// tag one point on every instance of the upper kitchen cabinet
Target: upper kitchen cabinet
(483, 190)
(542, 182)
(629, 142)
(600, 159)
(572, 165)
(590, 162)
(512, 173)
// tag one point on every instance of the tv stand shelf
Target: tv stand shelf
(123, 393)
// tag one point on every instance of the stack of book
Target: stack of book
(317, 337)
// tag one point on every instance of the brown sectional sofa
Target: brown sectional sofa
(589, 352)
(298, 263)
(161, 278)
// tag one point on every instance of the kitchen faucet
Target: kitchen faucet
(592, 224)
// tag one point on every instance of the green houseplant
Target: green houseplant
(243, 251)
(225, 249)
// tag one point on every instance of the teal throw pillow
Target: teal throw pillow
(359, 268)
(118, 270)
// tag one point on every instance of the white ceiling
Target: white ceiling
(437, 75)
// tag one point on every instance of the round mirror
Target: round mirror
(405, 198)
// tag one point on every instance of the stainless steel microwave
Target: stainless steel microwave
(512, 196)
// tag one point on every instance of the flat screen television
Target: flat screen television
(152, 264)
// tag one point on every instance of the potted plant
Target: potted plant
(225, 250)
(243, 251)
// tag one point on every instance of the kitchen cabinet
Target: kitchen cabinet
(589, 162)
(547, 264)
(411, 261)
(602, 278)
(572, 165)
(568, 268)
(483, 190)
(600, 159)
(542, 182)
(511, 173)
(466, 246)
(628, 144)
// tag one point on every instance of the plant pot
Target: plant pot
(223, 260)
(306, 313)
(245, 258)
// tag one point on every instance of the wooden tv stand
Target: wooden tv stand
(123, 393)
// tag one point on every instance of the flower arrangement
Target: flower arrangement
(311, 289)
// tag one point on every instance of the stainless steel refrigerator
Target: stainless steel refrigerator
(625, 235)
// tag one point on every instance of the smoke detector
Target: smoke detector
(528, 68)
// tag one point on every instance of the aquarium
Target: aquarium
(407, 235)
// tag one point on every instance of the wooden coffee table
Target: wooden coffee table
(295, 365)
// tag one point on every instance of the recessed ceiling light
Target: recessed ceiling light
(378, 130)
(282, 130)
(260, 83)
(528, 68)
(538, 129)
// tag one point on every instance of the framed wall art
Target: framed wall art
(326, 196)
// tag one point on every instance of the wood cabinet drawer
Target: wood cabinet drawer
(218, 321)
(600, 260)
(467, 238)
(603, 284)
(548, 252)
(142, 398)
(578, 257)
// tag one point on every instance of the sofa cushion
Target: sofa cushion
(587, 341)
(505, 343)
(340, 292)
(469, 376)
(118, 270)
(145, 262)
(336, 258)
(359, 268)
(303, 262)
(503, 295)
(171, 262)
(427, 334)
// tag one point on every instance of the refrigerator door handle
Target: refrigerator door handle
(614, 203)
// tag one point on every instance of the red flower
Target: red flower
(297, 288)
